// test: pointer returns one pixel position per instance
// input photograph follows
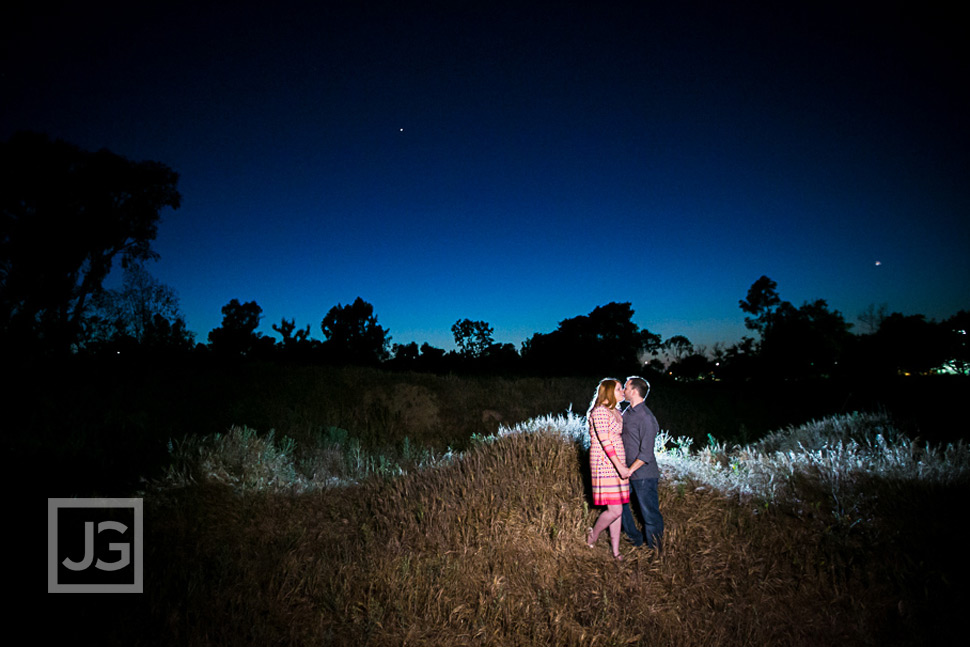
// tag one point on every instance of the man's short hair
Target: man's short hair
(640, 384)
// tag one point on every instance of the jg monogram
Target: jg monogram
(124, 549)
(111, 550)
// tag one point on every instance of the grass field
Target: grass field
(841, 531)
(101, 428)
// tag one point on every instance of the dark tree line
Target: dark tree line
(352, 336)
(141, 317)
(805, 342)
(812, 341)
(67, 215)
(604, 341)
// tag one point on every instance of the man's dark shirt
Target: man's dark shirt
(640, 430)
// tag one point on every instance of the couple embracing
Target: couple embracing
(623, 464)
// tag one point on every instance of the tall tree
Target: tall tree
(805, 341)
(872, 317)
(761, 303)
(66, 215)
(432, 358)
(795, 342)
(604, 341)
(353, 335)
(406, 354)
(237, 335)
(142, 313)
(291, 336)
(677, 348)
(473, 338)
(911, 344)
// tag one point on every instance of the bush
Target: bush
(487, 545)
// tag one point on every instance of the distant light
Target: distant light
(878, 263)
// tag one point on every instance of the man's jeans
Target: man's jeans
(643, 495)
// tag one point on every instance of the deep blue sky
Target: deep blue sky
(522, 166)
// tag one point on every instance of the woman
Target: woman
(607, 462)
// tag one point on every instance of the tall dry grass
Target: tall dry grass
(487, 547)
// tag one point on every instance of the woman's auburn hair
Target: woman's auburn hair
(604, 394)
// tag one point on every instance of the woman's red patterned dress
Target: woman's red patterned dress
(604, 429)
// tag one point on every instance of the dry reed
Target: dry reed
(486, 548)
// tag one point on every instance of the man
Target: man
(640, 430)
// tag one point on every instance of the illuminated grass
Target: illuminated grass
(835, 532)
(838, 459)
(248, 462)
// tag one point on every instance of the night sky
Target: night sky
(520, 165)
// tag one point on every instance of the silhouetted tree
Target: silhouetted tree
(738, 361)
(65, 216)
(286, 331)
(500, 359)
(164, 334)
(143, 314)
(684, 362)
(761, 304)
(872, 317)
(353, 335)
(295, 343)
(910, 344)
(432, 359)
(405, 355)
(677, 348)
(804, 342)
(473, 338)
(237, 335)
(604, 342)
(795, 342)
(695, 366)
